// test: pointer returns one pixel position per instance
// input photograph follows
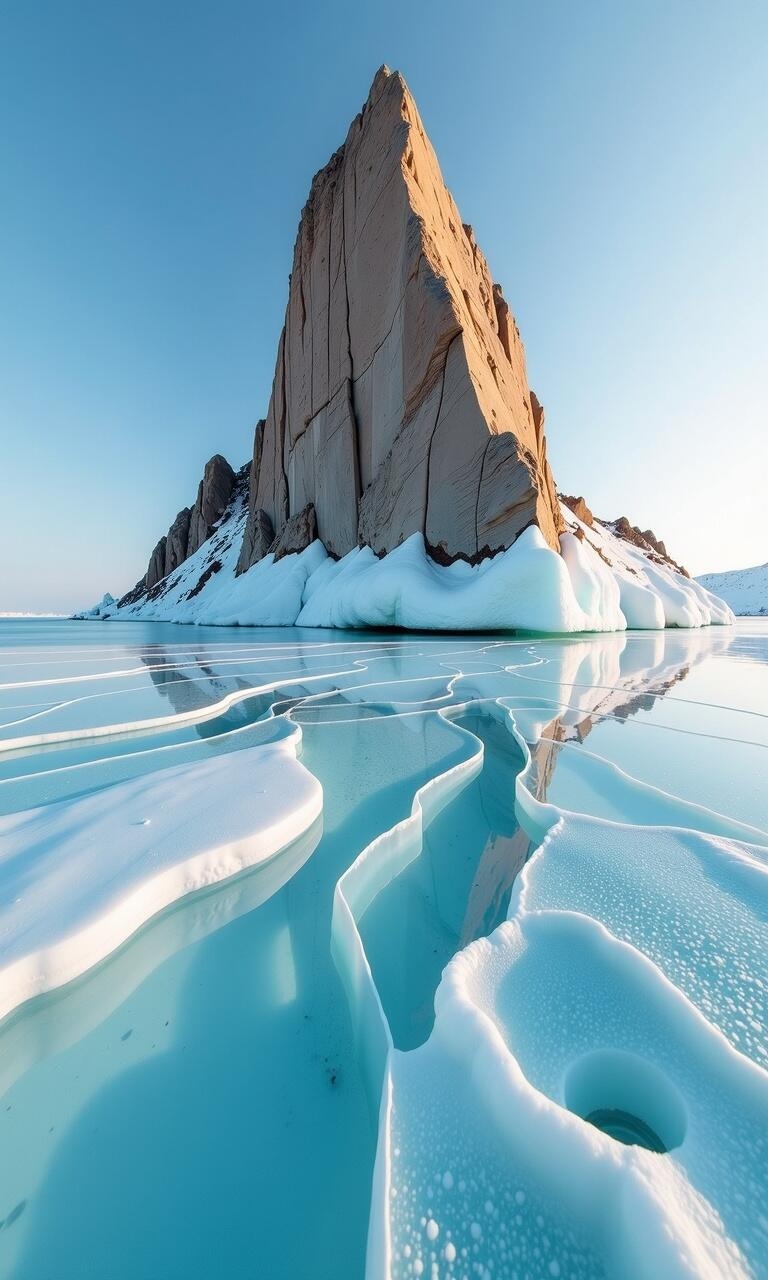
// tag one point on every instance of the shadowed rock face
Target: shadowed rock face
(296, 534)
(156, 568)
(176, 541)
(193, 525)
(400, 401)
(259, 537)
(213, 494)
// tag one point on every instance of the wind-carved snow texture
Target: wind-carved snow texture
(597, 583)
(629, 975)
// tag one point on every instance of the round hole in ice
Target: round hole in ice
(626, 1097)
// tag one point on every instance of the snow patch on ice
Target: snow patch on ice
(80, 876)
(520, 1009)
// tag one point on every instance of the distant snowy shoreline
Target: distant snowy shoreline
(745, 590)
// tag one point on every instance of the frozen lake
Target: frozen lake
(285, 967)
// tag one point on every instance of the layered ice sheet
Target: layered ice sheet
(621, 989)
(694, 904)
(597, 583)
(630, 983)
(79, 877)
(557, 1021)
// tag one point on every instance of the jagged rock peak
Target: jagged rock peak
(400, 401)
(156, 567)
(579, 508)
(213, 494)
(193, 524)
(646, 541)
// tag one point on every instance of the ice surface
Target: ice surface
(450, 1164)
(238, 1088)
(526, 1008)
(683, 962)
(78, 877)
(696, 905)
(457, 889)
(630, 974)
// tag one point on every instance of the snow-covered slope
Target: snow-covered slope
(744, 590)
(598, 583)
(103, 609)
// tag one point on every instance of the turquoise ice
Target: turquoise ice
(531, 917)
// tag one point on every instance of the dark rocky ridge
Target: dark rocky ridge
(646, 541)
(193, 525)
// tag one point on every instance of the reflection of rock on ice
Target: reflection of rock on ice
(552, 1015)
(512, 1130)
(455, 887)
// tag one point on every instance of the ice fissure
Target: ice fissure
(598, 918)
(583, 933)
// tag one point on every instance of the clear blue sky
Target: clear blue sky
(154, 158)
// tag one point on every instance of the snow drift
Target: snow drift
(597, 583)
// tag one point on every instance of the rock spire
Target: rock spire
(400, 401)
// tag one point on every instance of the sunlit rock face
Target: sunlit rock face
(400, 402)
(400, 477)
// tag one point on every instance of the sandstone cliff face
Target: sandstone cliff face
(400, 406)
(400, 401)
(579, 508)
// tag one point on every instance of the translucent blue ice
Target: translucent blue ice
(349, 1060)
